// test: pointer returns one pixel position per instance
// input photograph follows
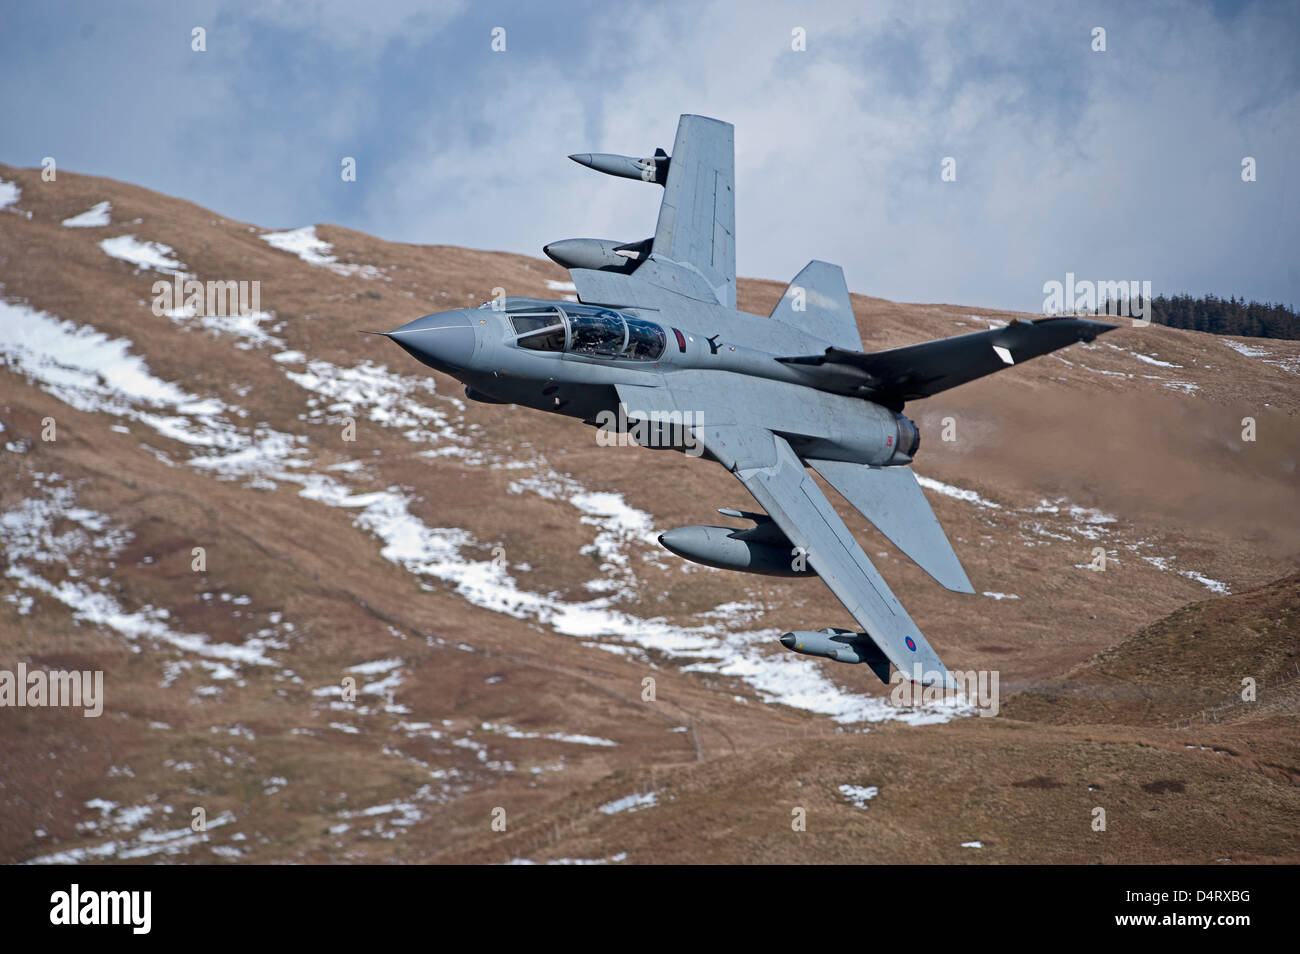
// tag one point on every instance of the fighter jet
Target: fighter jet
(655, 348)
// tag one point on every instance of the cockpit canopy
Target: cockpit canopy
(585, 330)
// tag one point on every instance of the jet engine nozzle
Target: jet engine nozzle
(909, 441)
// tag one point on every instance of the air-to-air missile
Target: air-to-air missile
(840, 645)
(653, 169)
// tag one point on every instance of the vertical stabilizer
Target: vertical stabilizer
(817, 301)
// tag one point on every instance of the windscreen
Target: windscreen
(539, 330)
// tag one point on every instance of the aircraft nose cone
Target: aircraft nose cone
(445, 341)
(788, 640)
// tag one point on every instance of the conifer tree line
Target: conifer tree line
(1221, 316)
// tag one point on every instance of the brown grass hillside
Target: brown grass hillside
(489, 578)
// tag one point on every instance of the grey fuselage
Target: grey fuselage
(733, 379)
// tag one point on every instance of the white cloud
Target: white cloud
(1067, 159)
(1123, 164)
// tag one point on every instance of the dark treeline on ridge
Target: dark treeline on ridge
(1223, 316)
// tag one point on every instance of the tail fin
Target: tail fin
(817, 302)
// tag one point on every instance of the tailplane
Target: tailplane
(891, 499)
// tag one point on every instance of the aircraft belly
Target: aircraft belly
(816, 423)
(583, 401)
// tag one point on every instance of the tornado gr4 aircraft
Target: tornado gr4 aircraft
(656, 348)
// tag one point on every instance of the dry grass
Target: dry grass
(1098, 659)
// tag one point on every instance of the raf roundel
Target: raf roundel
(910, 644)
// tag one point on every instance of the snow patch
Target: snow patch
(94, 217)
(1165, 563)
(948, 490)
(859, 795)
(630, 803)
(373, 392)
(513, 733)
(1289, 363)
(619, 526)
(174, 842)
(314, 250)
(1250, 351)
(153, 255)
(1148, 359)
(87, 370)
(246, 327)
(375, 667)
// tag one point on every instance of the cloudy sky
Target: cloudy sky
(1123, 164)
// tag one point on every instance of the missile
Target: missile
(727, 548)
(601, 254)
(840, 645)
(653, 169)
